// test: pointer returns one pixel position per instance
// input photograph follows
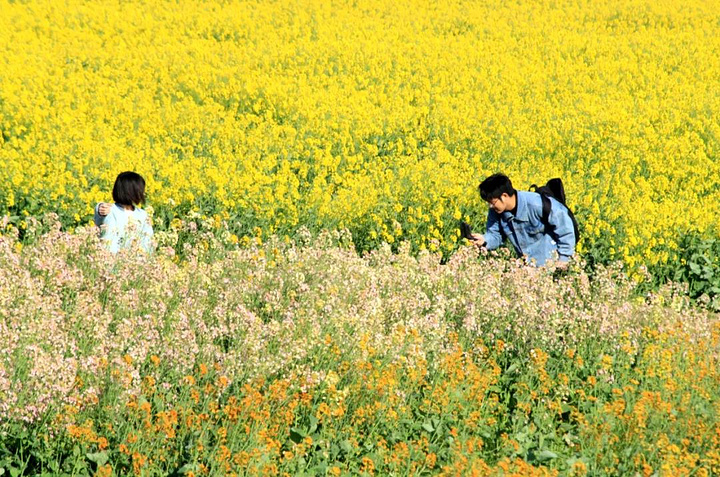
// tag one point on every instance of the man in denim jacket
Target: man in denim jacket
(517, 215)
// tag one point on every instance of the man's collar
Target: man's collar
(521, 212)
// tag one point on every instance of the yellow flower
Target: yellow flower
(362, 140)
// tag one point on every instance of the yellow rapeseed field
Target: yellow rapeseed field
(377, 115)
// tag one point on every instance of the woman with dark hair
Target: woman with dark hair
(124, 223)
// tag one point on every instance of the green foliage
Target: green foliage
(699, 267)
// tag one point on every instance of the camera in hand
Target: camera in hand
(466, 231)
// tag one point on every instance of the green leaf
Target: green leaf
(296, 435)
(546, 455)
(566, 426)
(100, 458)
(313, 424)
(347, 447)
(320, 469)
(428, 427)
(375, 458)
(192, 467)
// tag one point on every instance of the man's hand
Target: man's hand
(104, 208)
(478, 240)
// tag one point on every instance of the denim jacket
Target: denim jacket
(527, 233)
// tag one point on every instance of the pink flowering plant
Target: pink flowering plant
(299, 355)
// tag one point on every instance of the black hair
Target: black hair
(129, 189)
(495, 186)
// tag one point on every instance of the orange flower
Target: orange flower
(104, 471)
(138, 462)
(241, 459)
(224, 454)
(368, 465)
(430, 460)
(579, 469)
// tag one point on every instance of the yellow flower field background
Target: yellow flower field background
(377, 116)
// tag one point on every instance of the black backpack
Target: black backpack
(555, 189)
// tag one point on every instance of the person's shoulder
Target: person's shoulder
(555, 205)
(140, 213)
(555, 202)
(532, 199)
(114, 212)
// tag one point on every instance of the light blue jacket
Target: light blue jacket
(526, 231)
(121, 228)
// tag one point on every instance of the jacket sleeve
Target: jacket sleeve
(99, 219)
(493, 237)
(563, 231)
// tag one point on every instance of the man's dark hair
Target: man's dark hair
(129, 189)
(495, 186)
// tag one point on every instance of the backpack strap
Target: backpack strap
(546, 209)
(554, 188)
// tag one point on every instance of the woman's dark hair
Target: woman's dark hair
(129, 189)
(495, 186)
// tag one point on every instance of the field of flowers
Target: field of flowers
(311, 309)
(305, 358)
(380, 116)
